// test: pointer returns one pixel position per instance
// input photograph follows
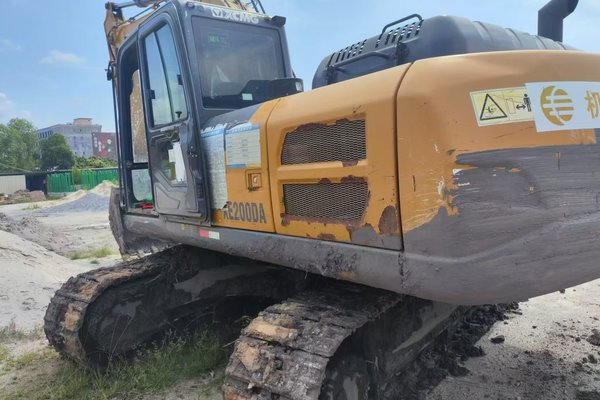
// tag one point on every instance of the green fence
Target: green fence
(61, 183)
(91, 178)
(64, 182)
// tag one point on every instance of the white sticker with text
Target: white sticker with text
(559, 106)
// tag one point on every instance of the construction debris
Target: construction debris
(22, 196)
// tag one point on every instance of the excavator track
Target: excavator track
(109, 312)
(67, 310)
(329, 340)
(341, 342)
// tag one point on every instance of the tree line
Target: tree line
(21, 151)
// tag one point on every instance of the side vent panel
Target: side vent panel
(344, 202)
(343, 141)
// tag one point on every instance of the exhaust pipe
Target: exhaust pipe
(551, 16)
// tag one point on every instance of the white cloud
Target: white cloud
(9, 45)
(7, 107)
(59, 57)
(9, 110)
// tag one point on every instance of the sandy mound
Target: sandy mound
(30, 228)
(103, 189)
(74, 196)
(29, 276)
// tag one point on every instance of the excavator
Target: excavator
(438, 165)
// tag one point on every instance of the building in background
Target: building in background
(105, 145)
(10, 183)
(79, 135)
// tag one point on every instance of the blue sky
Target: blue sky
(53, 53)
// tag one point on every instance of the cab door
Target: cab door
(175, 167)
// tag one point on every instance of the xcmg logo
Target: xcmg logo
(557, 105)
(235, 16)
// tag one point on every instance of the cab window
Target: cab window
(167, 98)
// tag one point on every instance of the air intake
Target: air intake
(341, 202)
(343, 141)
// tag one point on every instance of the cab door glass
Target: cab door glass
(164, 75)
(167, 98)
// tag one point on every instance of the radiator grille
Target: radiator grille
(342, 141)
(332, 201)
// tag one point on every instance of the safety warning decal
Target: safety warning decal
(502, 106)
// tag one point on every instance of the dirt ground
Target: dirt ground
(548, 349)
(545, 353)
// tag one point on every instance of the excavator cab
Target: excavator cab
(187, 63)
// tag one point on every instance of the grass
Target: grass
(33, 206)
(30, 359)
(98, 253)
(153, 370)
(11, 333)
(4, 354)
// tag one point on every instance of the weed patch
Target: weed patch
(99, 253)
(29, 359)
(153, 370)
(11, 333)
(4, 354)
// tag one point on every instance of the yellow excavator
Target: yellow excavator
(438, 164)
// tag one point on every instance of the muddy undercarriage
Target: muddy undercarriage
(338, 339)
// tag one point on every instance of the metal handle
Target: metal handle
(170, 132)
(401, 20)
(357, 58)
(332, 69)
(166, 134)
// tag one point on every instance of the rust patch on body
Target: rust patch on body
(325, 181)
(286, 219)
(367, 236)
(308, 126)
(327, 236)
(315, 125)
(350, 163)
(388, 223)
(353, 179)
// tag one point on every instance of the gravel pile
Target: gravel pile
(88, 202)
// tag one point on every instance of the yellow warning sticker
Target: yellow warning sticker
(502, 106)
